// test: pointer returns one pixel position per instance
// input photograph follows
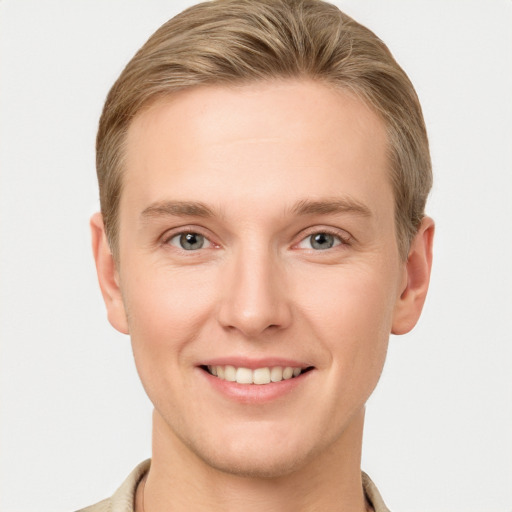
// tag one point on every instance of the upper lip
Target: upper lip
(251, 363)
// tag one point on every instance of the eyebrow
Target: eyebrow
(176, 209)
(331, 206)
(302, 207)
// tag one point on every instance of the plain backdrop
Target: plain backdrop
(74, 418)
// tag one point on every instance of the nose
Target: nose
(254, 294)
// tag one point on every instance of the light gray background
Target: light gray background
(74, 418)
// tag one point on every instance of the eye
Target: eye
(189, 241)
(320, 241)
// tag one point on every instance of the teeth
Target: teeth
(276, 374)
(261, 376)
(258, 376)
(230, 373)
(244, 376)
(287, 373)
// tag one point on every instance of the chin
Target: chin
(255, 465)
(256, 454)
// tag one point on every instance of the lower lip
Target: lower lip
(255, 393)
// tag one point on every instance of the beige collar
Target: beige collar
(124, 498)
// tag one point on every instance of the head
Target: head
(244, 41)
(263, 170)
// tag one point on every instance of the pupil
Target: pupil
(190, 241)
(322, 241)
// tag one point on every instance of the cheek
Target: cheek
(349, 314)
(351, 311)
(165, 306)
(166, 310)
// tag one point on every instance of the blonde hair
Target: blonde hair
(243, 41)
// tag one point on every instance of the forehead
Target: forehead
(265, 143)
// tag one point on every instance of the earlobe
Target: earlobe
(416, 279)
(107, 275)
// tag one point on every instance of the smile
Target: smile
(264, 375)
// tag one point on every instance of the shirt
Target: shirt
(123, 500)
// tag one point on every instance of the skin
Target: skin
(258, 289)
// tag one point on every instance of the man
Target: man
(263, 170)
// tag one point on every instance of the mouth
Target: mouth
(258, 376)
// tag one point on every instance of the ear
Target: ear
(108, 276)
(415, 280)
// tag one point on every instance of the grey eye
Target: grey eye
(322, 241)
(189, 241)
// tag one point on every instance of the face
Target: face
(258, 269)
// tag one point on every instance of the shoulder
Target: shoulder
(123, 499)
(373, 495)
(102, 506)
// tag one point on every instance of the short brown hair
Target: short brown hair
(243, 41)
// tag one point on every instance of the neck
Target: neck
(180, 481)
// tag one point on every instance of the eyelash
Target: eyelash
(342, 237)
(184, 231)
